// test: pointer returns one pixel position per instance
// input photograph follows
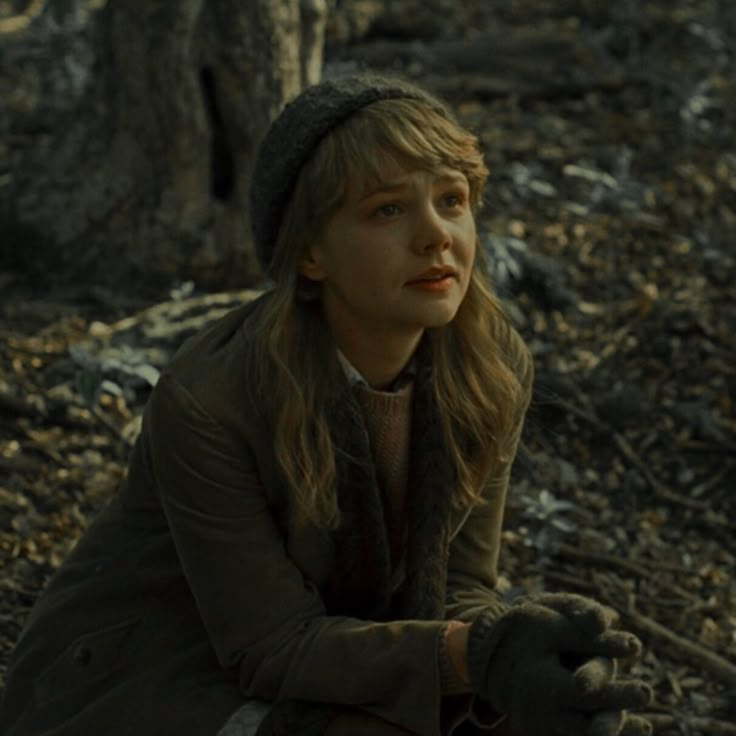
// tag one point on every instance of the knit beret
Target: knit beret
(297, 131)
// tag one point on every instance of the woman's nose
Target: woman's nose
(431, 232)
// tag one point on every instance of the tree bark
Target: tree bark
(148, 178)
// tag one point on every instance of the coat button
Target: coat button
(82, 655)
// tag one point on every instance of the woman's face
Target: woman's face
(396, 258)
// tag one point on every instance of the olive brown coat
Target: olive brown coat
(193, 590)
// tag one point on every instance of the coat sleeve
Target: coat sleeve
(473, 563)
(263, 617)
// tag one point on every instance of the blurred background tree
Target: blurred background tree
(129, 131)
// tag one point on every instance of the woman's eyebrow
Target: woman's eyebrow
(398, 185)
(384, 187)
(454, 178)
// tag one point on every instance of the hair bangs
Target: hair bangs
(412, 134)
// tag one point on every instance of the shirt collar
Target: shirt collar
(355, 378)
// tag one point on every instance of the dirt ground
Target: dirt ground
(610, 216)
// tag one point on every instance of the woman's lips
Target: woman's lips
(436, 285)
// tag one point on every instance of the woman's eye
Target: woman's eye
(388, 210)
(453, 201)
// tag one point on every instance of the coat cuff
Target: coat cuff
(485, 634)
(450, 681)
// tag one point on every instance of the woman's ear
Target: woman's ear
(311, 264)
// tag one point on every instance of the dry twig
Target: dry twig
(662, 721)
(641, 569)
(659, 489)
(683, 648)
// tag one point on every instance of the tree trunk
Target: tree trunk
(148, 178)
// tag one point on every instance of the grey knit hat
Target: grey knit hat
(297, 131)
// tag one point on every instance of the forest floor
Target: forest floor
(610, 221)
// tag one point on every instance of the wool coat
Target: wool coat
(193, 590)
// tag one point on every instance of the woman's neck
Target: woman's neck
(379, 361)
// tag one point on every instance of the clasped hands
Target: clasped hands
(549, 663)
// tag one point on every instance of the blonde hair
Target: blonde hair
(477, 393)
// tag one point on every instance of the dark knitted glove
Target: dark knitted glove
(542, 663)
(591, 616)
(600, 673)
(584, 612)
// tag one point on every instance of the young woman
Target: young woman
(307, 539)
